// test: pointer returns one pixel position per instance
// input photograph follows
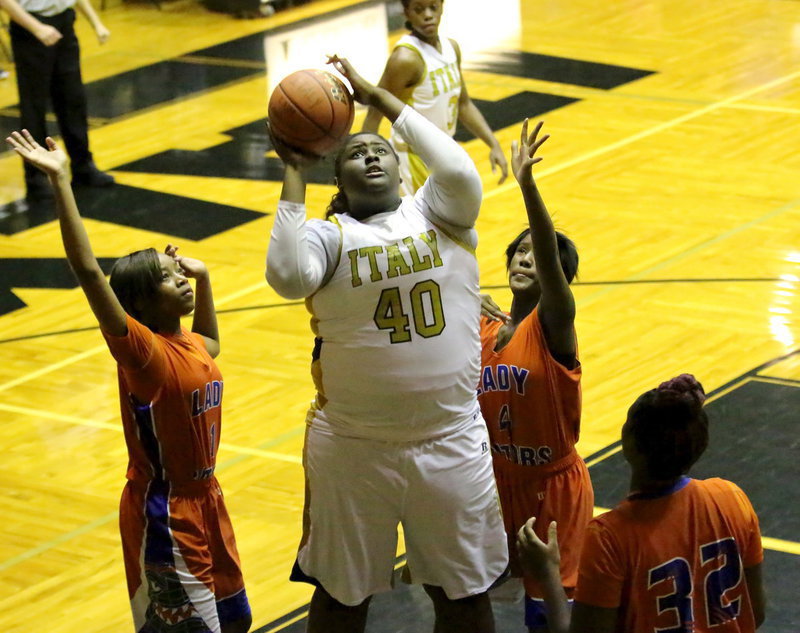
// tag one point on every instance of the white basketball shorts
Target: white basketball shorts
(443, 492)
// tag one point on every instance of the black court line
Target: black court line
(97, 327)
(503, 287)
(297, 616)
(627, 282)
(606, 452)
(553, 68)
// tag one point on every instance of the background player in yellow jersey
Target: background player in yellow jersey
(424, 71)
(530, 391)
(180, 555)
(679, 554)
(395, 435)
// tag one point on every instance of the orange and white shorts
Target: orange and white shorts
(180, 557)
(560, 492)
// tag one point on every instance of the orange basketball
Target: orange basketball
(311, 111)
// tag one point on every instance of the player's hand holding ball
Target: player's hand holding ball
(291, 155)
(310, 113)
(362, 89)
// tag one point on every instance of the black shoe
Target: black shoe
(90, 176)
(37, 187)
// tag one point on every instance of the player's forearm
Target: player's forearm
(385, 103)
(372, 122)
(73, 234)
(21, 16)
(204, 321)
(543, 235)
(455, 190)
(291, 270)
(558, 614)
(294, 185)
(86, 8)
(474, 121)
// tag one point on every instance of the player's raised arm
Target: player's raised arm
(53, 162)
(556, 304)
(474, 121)
(366, 93)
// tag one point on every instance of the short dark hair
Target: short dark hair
(135, 278)
(669, 426)
(567, 253)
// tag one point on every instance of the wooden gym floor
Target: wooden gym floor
(673, 164)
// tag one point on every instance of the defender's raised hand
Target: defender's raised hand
(52, 160)
(523, 152)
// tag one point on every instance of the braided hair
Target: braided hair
(670, 427)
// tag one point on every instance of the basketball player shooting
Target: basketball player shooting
(392, 286)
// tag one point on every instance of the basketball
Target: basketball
(311, 111)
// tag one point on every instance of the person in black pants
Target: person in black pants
(47, 59)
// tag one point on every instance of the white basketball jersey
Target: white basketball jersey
(436, 96)
(399, 357)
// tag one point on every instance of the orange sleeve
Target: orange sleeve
(601, 573)
(752, 552)
(135, 349)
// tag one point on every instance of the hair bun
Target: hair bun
(685, 384)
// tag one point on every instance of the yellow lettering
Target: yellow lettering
(355, 278)
(430, 239)
(416, 263)
(396, 263)
(370, 252)
(432, 79)
(450, 77)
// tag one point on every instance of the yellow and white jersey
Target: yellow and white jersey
(394, 300)
(398, 354)
(436, 96)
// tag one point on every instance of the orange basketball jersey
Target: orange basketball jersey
(531, 403)
(675, 561)
(171, 400)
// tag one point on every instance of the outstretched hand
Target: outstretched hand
(192, 268)
(362, 89)
(535, 555)
(51, 160)
(523, 152)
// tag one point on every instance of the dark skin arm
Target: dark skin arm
(755, 587)
(543, 561)
(403, 71)
(53, 162)
(204, 319)
(556, 303)
(473, 120)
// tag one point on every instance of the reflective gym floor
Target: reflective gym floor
(673, 164)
